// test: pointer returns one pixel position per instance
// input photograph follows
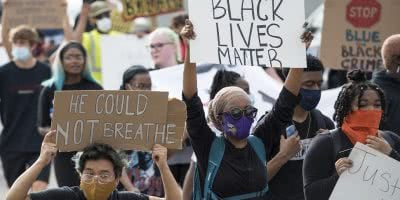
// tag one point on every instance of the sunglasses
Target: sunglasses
(236, 113)
(103, 15)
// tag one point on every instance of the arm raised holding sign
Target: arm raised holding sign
(21, 186)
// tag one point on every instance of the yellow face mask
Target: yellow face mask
(96, 190)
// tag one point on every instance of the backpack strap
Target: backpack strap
(258, 146)
(214, 160)
(196, 183)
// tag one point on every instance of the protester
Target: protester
(178, 22)
(19, 91)
(70, 72)
(359, 110)
(100, 168)
(242, 170)
(222, 79)
(141, 173)
(389, 81)
(100, 16)
(164, 48)
(285, 156)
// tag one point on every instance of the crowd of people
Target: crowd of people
(226, 155)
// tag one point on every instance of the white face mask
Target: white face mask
(104, 24)
(21, 53)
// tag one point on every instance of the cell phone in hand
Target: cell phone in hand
(344, 153)
(290, 130)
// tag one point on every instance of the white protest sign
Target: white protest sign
(263, 88)
(374, 176)
(120, 52)
(252, 33)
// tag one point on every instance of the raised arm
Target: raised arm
(82, 22)
(19, 190)
(171, 187)
(189, 71)
(5, 29)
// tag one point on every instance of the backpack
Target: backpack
(214, 160)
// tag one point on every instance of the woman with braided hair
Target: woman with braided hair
(359, 110)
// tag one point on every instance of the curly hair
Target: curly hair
(354, 89)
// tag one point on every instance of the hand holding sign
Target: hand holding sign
(49, 148)
(187, 31)
(159, 155)
(342, 165)
(307, 37)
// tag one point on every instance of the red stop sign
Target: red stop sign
(363, 13)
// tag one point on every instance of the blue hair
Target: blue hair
(58, 73)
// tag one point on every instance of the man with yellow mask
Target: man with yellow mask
(100, 168)
(100, 16)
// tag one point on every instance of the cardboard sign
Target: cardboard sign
(354, 31)
(123, 119)
(374, 176)
(252, 33)
(41, 14)
(118, 54)
(146, 8)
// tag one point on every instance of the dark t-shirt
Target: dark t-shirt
(240, 171)
(75, 193)
(19, 92)
(319, 170)
(47, 95)
(287, 184)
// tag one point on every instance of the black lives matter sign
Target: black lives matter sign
(248, 32)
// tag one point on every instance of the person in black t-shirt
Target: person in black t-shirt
(285, 156)
(70, 72)
(100, 168)
(359, 110)
(240, 171)
(19, 91)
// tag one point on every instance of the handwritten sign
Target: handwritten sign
(42, 14)
(252, 33)
(354, 31)
(374, 176)
(146, 8)
(123, 119)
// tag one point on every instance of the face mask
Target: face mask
(359, 124)
(96, 190)
(239, 129)
(309, 98)
(21, 53)
(104, 24)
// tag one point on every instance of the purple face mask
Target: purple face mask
(239, 129)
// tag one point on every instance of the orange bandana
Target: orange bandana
(359, 124)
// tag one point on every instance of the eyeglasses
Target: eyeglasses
(237, 113)
(101, 178)
(139, 86)
(158, 46)
(69, 58)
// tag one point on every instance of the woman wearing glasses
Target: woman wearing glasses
(70, 72)
(240, 172)
(164, 48)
